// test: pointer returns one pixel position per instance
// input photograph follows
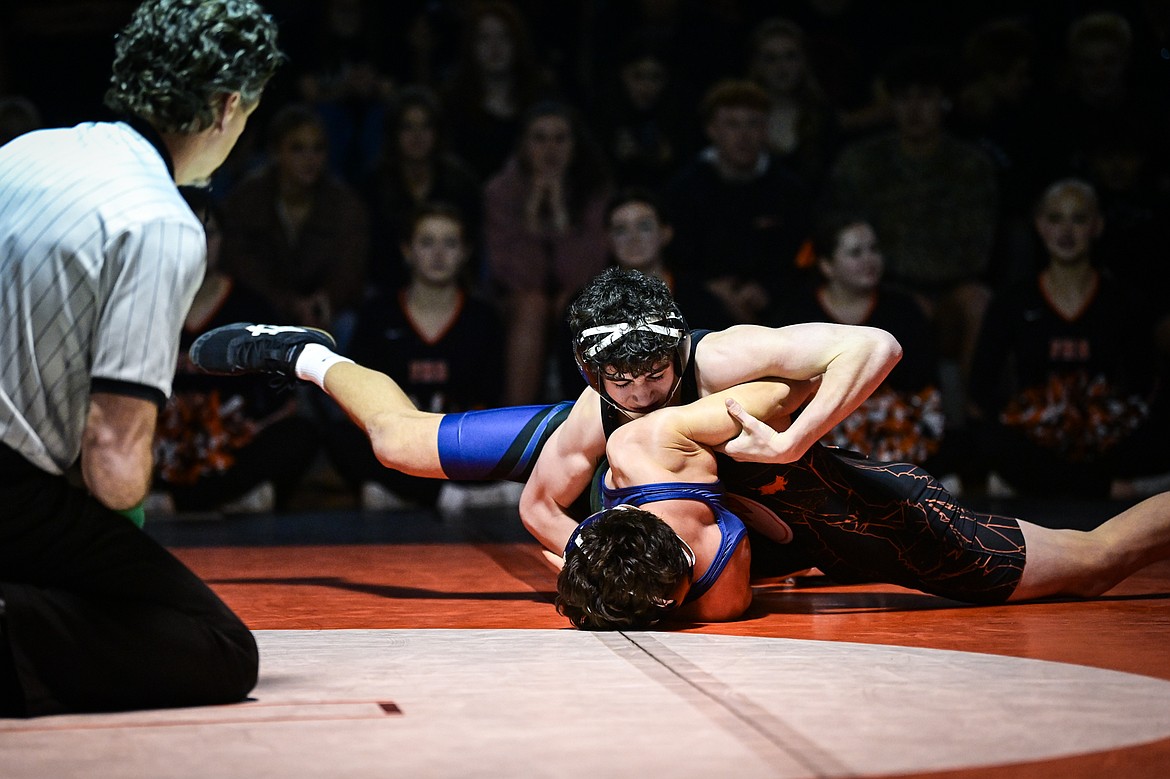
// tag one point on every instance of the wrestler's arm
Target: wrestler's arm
(851, 361)
(674, 444)
(567, 464)
(563, 471)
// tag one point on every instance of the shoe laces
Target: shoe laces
(258, 353)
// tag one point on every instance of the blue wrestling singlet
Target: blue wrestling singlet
(731, 529)
(497, 443)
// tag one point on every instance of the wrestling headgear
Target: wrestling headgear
(633, 346)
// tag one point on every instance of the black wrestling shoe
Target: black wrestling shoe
(233, 350)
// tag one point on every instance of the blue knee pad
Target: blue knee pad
(497, 443)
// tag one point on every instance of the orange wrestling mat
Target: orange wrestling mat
(509, 586)
(409, 645)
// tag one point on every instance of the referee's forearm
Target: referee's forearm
(116, 449)
(117, 481)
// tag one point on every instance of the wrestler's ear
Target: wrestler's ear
(228, 105)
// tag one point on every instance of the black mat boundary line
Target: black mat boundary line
(769, 737)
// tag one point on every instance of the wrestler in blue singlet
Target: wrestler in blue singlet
(731, 528)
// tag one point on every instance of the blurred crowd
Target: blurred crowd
(434, 181)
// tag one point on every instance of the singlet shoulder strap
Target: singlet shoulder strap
(731, 528)
(689, 388)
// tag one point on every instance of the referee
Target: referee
(100, 258)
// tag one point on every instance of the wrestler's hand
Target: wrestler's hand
(553, 559)
(757, 442)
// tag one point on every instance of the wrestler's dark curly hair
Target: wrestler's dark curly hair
(624, 573)
(176, 56)
(623, 295)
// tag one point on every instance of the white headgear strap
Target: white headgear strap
(620, 330)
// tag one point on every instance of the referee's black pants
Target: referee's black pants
(97, 616)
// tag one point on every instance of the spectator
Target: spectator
(638, 122)
(415, 168)
(996, 110)
(997, 83)
(803, 127)
(441, 343)
(431, 37)
(343, 72)
(1064, 381)
(1099, 90)
(934, 201)
(702, 41)
(740, 216)
(493, 82)
(845, 54)
(902, 420)
(545, 233)
(231, 445)
(1134, 206)
(296, 233)
(1136, 213)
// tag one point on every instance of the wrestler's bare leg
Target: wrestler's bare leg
(1087, 563)
(402, 437)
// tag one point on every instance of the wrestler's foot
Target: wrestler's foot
(241, 348)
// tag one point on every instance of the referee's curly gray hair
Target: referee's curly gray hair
(176, 56)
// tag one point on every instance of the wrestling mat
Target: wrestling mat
(409, 647)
